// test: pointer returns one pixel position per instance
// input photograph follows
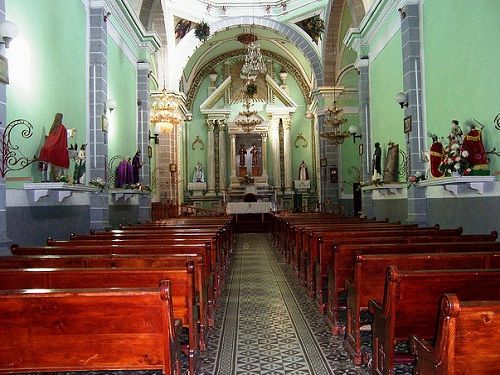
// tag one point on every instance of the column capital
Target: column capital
(232, 136)
(287, 122)
(263, 135)
(211, 124)
(362, 63)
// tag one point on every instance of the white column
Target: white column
(287, 150)
(275, 142)
(232, 137)
(222, 155)
(264, 155)
(211, 158)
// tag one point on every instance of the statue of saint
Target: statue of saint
(255, 155)
(198, 173)
(376, 163)
(473, 149)
(136, 165)
(242, 152)
(55, 149)
(303, 174)
(436, 155)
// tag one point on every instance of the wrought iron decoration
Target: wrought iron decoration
(11, 161)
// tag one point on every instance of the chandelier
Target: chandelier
(254, 63)
(163, 112)
(245, 120)
(334, 120)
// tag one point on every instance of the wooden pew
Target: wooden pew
(410, 305)
(124, 261)
(466, 341)
(182, 285)
(131, 329)
(325, 254)
(210, 274)
(342, 266)
(369, 278)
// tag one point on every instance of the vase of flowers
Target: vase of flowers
(454, 161)
(246, 180)
(251, 90)
(202, 31)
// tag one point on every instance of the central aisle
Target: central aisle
(265, 323)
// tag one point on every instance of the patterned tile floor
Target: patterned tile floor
(266, 324)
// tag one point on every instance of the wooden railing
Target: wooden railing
(161, 210)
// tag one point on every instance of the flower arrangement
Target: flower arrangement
(246, 180)
(98, 182)
(251, 89)
(454, 160)
(314, 26)
(202, 31)
(417, 177)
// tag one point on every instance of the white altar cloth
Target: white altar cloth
(248, 208)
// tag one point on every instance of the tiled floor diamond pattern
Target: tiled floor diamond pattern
(263, 328)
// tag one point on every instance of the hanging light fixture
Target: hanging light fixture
(163, 113)
(334, 120)
(254, 63)
(247, 119)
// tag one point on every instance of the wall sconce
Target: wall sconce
(353, 130)
(402, 99)
(402, 12)
(106, 16)
(110, 105)
(8, 31)
(155, 137)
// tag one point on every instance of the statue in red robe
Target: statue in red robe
(473, 145)
(436, 156)
(55, 149)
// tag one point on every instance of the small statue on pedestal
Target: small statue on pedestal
(376, 163)
(303, 173)
(198, 173)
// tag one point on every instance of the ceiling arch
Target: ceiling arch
(295, 37)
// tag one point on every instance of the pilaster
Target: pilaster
(263, 137)
(143, 137)
(4, 241)
(363, 68)
(222, 155)
(232, 138)
(287, 142)
(98, 91)
(211, 157)
(412, 83)
(275, 144)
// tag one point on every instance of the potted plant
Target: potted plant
(202, 31)
(315, 26)
(251, 90)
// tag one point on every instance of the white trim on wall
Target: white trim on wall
(122, 45)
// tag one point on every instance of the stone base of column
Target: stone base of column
(5, 247)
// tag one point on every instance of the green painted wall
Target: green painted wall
(47, 70)
(465, 85)
(386, 72)
(122, 87)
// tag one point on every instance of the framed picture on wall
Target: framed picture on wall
(407, 124)
(4, 70)
(360, 149)
(323, 162)
(150, 152)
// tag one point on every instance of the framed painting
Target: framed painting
(407, 124)
(360, 149)
(391, 169)
(104, 123)
(150, 152)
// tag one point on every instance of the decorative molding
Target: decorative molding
(238, 55)
(216, 95)
(301, 137)
(198, 140)
(60, 190)
(463, 185)
(387, 191)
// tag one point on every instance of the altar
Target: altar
(235, 208)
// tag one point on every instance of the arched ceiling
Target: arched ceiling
(226, 41)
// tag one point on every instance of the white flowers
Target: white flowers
(455, 146)
(465, 153)
(457, 166)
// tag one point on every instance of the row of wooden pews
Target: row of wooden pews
(162, 281)
(419, 286)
